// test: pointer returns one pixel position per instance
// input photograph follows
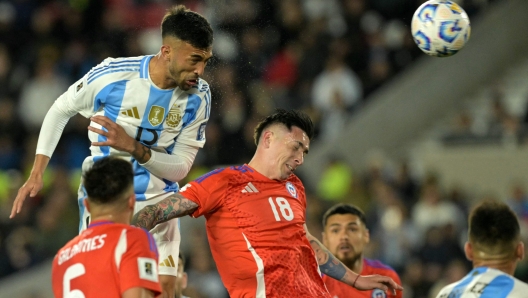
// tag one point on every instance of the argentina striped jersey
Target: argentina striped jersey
(484, 282)
(121, 89)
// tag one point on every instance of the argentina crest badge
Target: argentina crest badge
(291, 189)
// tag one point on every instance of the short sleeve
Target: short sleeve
(139, 264)
(208, 191)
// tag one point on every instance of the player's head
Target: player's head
(187, 45)
(494, 235)
(345, 232)
(181, 277)
(109, 184)
(284, 138)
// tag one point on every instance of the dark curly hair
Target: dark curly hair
(188, 26)
(108, 180)
(288, 118)
(494, 227)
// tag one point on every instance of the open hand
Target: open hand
(32, 186)
(116, 136)
(369, 282)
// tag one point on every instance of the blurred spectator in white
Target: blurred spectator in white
(39, 93)
(432, 210)
(336, 91)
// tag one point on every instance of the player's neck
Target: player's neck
(262, 167)
(506, 266)
(158, 73)
(356, 265)
(106, 215)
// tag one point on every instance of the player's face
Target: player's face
(186, 63)
(292, 146)
(345, 236)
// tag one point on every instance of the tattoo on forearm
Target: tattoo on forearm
(328, 264)
(171, 207)
(144, 153)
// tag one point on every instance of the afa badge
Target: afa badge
(291, 189)
(175, 116)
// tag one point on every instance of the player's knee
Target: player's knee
(168, 285)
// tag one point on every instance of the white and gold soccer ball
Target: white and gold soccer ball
(440, 28)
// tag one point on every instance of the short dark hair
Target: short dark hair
(108, 180)
(494, 227)
(344, 209)
(288, 118)
(188, 26)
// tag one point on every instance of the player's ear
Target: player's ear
(184, 280)
(519, 251)
(367, 235)
(468, 250)
(266, 138)
(132, 201)
(87, 205)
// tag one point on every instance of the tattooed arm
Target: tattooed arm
(332, 267)
(171, 207)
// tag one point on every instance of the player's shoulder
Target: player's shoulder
(376, 266)
(216, 174)
(202, 86)
(121, 68)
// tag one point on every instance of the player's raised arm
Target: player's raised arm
(171, 207)
(332, 267)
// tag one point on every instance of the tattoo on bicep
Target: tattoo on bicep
(174, 206)
(328, 264)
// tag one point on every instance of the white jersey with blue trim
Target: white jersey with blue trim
(484, 282)
(121, 89)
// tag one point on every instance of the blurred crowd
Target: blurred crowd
(323, 56)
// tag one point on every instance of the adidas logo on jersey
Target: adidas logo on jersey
(168, 262)
(250, 188)
(133, 112)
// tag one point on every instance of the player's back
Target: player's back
(484, 282)
(256, 233)
(104, 261)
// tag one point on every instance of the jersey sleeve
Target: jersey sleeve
(139, 264)
(193, 131)
(87, 95)
(207, 191)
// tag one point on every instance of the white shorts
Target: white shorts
(166, 235)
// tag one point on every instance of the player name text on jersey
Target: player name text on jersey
(84, 245)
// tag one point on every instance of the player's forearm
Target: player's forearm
(173, 167)
(330, 265)
(40, 165)
(171, 207)
(141, 153)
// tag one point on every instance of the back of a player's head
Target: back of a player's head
(188, 26)
(344, 209)
(109, 180)
(493, 228)
(288, 118)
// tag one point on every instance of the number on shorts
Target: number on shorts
(72, 272)
(284, 207)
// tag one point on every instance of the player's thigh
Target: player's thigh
(167, 237)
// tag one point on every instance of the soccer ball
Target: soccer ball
(440, 28)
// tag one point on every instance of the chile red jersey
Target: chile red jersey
(255, 228)
(105, 260)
